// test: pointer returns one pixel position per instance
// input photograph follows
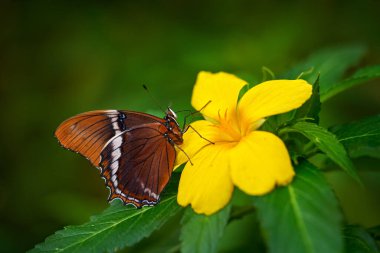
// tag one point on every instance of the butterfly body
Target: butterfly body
(135, 152)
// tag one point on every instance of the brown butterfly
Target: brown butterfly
(134, 151)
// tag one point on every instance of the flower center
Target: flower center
(233, 128)
(232, 133)
(230, 127)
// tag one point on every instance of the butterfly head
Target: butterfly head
(174, 130)
(171, 114)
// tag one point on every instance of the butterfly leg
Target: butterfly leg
(192, 113)
(188, 157)
(190, 126)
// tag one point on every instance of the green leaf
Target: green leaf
(330, 63)
(276, 122)
(360, 76)
(358, 240)
(312, 107)
(375, 232)
(201, 233)
(243, 90)
(303, 216)
(360, 138)
(327, 143)
(117, 227)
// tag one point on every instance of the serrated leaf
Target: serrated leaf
(360, 76)
(330, 63)
(328, 144)
(360, 138)
(117, 227)
(303, 216)
(357, 240)
(312, 107)
(201, 233)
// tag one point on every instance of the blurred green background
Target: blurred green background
(60, 58)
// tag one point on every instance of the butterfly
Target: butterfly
(134, 151)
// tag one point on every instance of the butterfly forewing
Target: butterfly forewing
(134, 151)
(87, 133)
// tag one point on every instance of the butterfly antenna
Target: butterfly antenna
(153, 98)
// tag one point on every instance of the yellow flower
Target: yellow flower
(253, 160)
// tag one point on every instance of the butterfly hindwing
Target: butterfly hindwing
(137, 164)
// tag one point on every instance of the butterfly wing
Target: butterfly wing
(87, 133)
(137, 164)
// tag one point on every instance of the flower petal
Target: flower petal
(222, 89)
(193, 141)
(207, 184)
(260, 162)
(273, 97)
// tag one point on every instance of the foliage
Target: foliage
(298, 217)
(201, 233)
(327, 143)
(359, 240)
(361, 138)
(117, 227)
(304, 216)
